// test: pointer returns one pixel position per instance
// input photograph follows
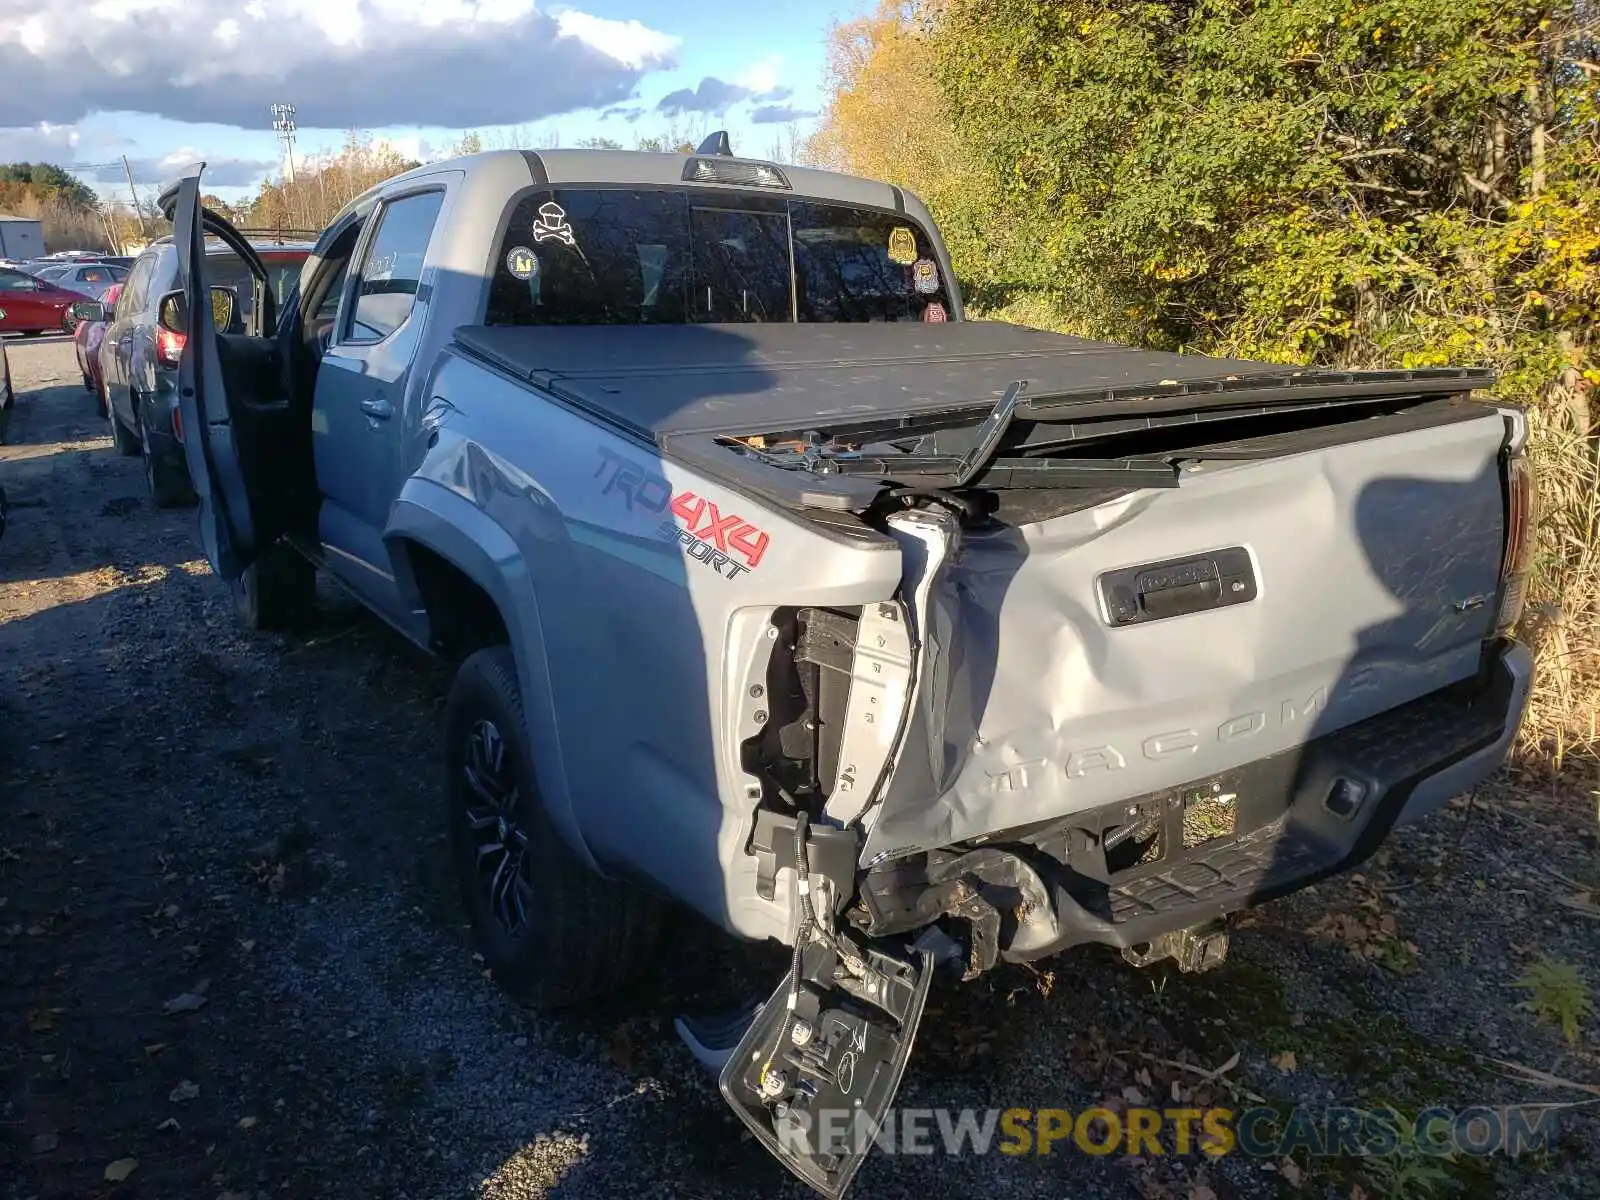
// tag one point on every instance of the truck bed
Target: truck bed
(659, 381)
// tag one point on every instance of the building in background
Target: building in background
(21, 238)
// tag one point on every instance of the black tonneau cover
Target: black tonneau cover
(663, 381)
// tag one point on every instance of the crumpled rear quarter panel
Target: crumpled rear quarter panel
(636, 644)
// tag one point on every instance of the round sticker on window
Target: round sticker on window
(522, 263)
(925, 275)
(934, 312)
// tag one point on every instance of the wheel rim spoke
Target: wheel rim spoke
(493, 821)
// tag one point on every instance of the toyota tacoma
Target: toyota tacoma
(781, 589)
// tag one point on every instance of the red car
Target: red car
(34, 306)
(7, 396)
(86, 340)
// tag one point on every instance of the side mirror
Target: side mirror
(88, 310)
(172, 313)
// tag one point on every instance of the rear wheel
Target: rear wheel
(124, 439)
(276, 592)
(168, 481)
(552, 931)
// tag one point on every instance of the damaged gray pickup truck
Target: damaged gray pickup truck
(782, 590)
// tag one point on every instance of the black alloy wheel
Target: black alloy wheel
(496, 827)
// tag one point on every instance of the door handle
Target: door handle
(379, 409)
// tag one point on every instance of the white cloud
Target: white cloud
(64, 146)
(342, 63)
(762, 77)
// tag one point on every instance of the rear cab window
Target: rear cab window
(590, 256)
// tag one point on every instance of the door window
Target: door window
(386, 289)
(94, 275)
(133, 293)
(16, 281)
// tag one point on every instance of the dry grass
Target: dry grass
(1563, 618)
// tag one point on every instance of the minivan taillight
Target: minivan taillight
(169, 347)
(1521, 501)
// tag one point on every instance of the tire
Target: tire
(88, 384)
(580, 935)
(276, 592)
(168, 481)
(124, 439)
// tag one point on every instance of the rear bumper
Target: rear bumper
(1335, 800)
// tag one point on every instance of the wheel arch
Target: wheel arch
(463, 576)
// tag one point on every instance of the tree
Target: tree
(1409, 183)
(48, 181)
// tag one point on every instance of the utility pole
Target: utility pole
(283, 126)
(137, 211)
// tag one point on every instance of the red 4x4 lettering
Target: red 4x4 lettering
(730, 532)
(750, 542)
(687, 507)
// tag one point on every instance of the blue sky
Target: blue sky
(165, 82)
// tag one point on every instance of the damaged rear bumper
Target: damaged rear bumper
(1294, 818)
(1302, 816)
(816, 1070)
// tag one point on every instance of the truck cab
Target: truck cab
(514, 238)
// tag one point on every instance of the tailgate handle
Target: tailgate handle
(1175, 601)
(1177, 587)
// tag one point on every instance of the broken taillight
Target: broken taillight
(169, 347)
(1521, 486)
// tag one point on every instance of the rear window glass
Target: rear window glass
(228, 270)
(602, 256)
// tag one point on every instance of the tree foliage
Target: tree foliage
(46, 183)
(1345, 182)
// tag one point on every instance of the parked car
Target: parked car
(88, 335)
(89, 280)
(35, 306)
(138, 359)
(8, 396)
(906, 642)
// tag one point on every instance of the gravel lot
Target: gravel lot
(250, 830)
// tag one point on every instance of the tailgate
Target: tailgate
(1172, 634)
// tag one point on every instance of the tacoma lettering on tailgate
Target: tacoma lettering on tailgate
(1084, 760)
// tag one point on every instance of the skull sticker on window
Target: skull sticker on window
(552, 225)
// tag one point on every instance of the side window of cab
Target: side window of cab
(391, 269)
(131, 302)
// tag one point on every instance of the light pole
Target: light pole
(283, 126)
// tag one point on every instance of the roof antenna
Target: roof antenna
(717, 143)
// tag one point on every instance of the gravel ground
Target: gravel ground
(230, 948)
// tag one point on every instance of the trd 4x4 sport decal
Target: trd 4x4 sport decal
(725, 542)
